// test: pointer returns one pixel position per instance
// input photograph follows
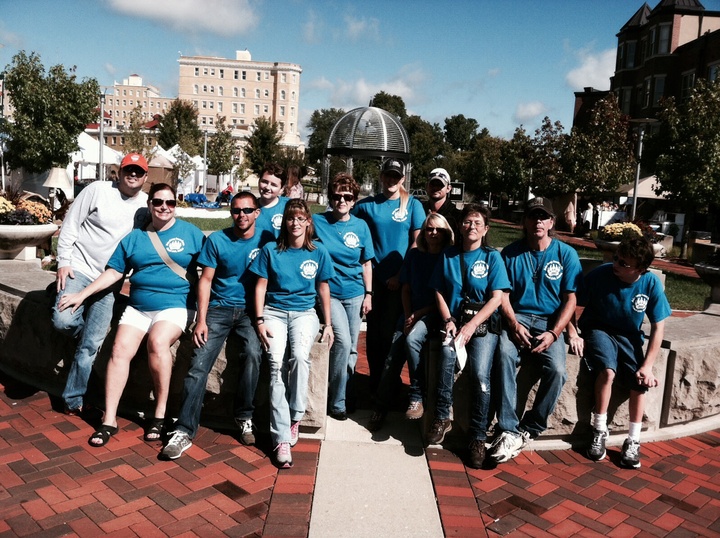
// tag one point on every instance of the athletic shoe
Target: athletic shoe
(596, 451)
(437, 432)
(294, 433)
(414, 411)
(338, 415)
(179, 442)
(283, 456)
(630, 455)
(247, 437)
(507, 446)
(376, 421)
(477, 454)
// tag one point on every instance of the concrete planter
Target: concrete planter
(18, 241)
(607, 248)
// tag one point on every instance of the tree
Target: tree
(179, 126)
(426, 146)
(263, 144)
(483, 166)
(390, 103)
(50, 111)
(221, 149)
(320, 124)
(516, 163)
(548, 145)
(136, 139)
(460, 131)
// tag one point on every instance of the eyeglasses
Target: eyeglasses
(622, 263)
(136, 171)
(243, 210)
(476, 223)
(539, 215)
(342, 197)
(299, 220)
(158, 202)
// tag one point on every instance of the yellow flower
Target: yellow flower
(619, 231)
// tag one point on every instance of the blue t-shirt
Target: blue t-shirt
(390, 230)
(153, 285)
(231, 256)
(613, 305)
(350, 245)
(270, 220)
(539, 279)
(484, 273)
(416, 271)
(292, 275)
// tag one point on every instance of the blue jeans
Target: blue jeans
(346, 321)
(407, 347)
(89, 324)
(289, 372)
(551, 365)
(221, 321)
(480, 351)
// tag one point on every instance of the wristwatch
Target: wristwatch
(370, 293)
(448, 320)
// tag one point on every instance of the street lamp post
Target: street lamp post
(101, 137)
(642, 123)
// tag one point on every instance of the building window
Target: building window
(205, 71)
(646, 92)
(236, 74)
(210, 120)
(203, 120)
(219, 106)
(242, 121)
(267, 93)
(235, 92)
(659, 89)
(257, 93)
(292, 96)
(620, 63)
(282, 110)
(204, 88)
(244, 75)
(266, 109)
(195, 104)
(212, 72)
(242, 108)
(197, 71)
(258, 76)
(292, 127)
(257, 110)
(650, 43)
(234, 108)
(625, 99)
(220, 90)
(292, 111)
(663, 42)
(713, 72)
(294, 78)
(282, 125)
(282, 95)
(630, 50)
(242, 92)
(686, 85)
(195, 89)
(212, 89)
(222, 73)
(267, 75)
(211, 104)
(204, 104)
(283, 77)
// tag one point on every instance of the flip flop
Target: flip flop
(103, 434)
(153, 429)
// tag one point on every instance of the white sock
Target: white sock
(599, 421)
(634, 431)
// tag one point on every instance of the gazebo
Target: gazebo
(366, 132)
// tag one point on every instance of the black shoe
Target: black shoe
(338, 415)
(630, 455)
(477, 454)
(437, 432)
(376, 421)
(596, 451)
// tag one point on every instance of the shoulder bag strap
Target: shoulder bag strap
(172, 264)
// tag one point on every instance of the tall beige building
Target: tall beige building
(124, 97)
(243, 90)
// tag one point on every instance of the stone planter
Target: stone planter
(18, 241)
(711, 276)
(607, 248)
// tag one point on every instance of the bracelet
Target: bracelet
(371, 293)
(555, 336)
(450, 319)
(259, 320)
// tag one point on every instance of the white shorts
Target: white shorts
(182, 317)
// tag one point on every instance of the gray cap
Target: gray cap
(394, 166)
(540, 203)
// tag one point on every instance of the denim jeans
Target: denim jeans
(89, 325)
(221, 321)
(480, 351)
(550, 364)
(346, 321)
(407, 348)
(289, 372)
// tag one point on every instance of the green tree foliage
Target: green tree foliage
(426, 146)
(179, 126)
(483, 166)
(263, 144)
(515, 163)
(460, 131)
(599, 156)
(136, 139)
(390, 103)
(548, 145)
(221, 148)
(50, 110)
(320, 124)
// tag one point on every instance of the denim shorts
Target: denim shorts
(620, 353)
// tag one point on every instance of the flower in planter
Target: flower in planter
(619, 231)
(24, 212)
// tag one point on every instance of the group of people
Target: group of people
(280, 277)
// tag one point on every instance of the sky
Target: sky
(504, 63)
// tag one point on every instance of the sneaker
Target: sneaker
(414, 411)
(283, 456)
(338, 415)
(507, 446)
(376, 421)
(294, 433)
(179, 442)
(596, 451)
(438, 430)
(477, 454)
(247, 437)
(630, 455)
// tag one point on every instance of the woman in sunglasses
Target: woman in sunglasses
(161, 305)
(350, 245)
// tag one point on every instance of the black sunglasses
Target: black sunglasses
(243, 210)
(135, 171)
(539, 215)
(157, 202)
(338, 197)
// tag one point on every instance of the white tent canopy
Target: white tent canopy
(646, 189)
(88, 156)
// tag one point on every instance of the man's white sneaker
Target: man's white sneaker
(507, 446)
(179, 442)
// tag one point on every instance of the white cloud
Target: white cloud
(492, 73)
(529, 111)
(365, 29)
(595, 70)
(8, 38)
(312, 28)
(222, 17)
(110, 68)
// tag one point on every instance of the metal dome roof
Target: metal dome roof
(371, 130)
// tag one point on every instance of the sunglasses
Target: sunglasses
(158, 202)
(622, 263)
(134, 171)
(432, 229)
(342, 197)
(243, 210)
(539, 215)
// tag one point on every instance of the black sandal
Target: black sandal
(103, 435)
(153, 429)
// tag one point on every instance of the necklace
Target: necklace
(341, 231)
(537, 266)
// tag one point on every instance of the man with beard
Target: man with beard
(438, 191)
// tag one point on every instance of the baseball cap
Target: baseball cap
(539, 203)
(440, 174)
(134, 159)
(395, 166)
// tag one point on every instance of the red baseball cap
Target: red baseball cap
(134, 159)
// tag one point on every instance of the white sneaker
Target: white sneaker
(507, 446)
(294, 433)
(283, 456)
(247, 437)
(179, 442)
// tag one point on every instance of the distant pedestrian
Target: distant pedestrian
(293, 187)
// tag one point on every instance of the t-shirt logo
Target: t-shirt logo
(175, 245)
(308, 269)
(479, 269)
(553, 270)
(253, 254)
(276, 220)
(399, 215)
(351, 240)
(640, 302)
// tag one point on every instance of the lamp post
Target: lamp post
(101, 137)
(642, 123)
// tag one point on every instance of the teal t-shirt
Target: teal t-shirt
(270, 220)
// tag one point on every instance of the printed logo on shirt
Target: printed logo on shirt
(553, 270)
(399, 215)
(351, 240)
(308, 269)
(253, 254)
(276, 220)
(479, 269)
(175, 245)
(640, 302)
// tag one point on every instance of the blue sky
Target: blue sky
(504, 62)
